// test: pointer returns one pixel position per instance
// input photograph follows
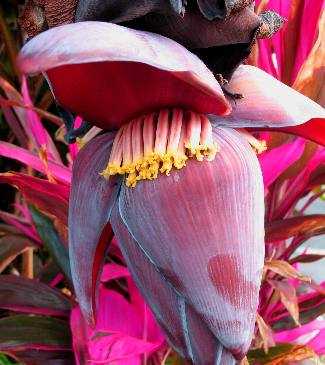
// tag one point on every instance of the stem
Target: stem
(9, 43)
(42, 113)
(28, 264)
(168, 352)
(145, 331)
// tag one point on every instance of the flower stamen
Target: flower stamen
(257, 145)
(158, 142)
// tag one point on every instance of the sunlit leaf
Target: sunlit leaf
(266, 333)
(286, 228)
(288, 297)
(284, 269)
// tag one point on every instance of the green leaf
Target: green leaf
(51, 240)
(260, 357)
(34, 332)
(5, 361)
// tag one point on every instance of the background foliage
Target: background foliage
(39, 316)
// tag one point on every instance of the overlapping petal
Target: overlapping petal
(89, 234)
(178, 234)
(97, 69)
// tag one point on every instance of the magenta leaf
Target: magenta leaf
(26, 295)
(50, 197)
(318, 342)
(306, 258)
(60, 172)
(113, 271)
(120, 333)
(292, 335)
(38, 133)
(8, 229)
(50, 274)
(29, 120)
(14, 124)
(277, 160)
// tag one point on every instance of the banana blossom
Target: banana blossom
(175, 177)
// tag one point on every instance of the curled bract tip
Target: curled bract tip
(109, 74)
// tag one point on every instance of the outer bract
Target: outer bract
(194, 243)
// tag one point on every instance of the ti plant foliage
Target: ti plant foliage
(41, 321)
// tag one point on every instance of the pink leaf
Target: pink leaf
(318, 342)
(37, 131)
(14, 124)
(114, 271)
(292, 335)
(117, 335)
(49, 197)
(60, 172)
(276, 161)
